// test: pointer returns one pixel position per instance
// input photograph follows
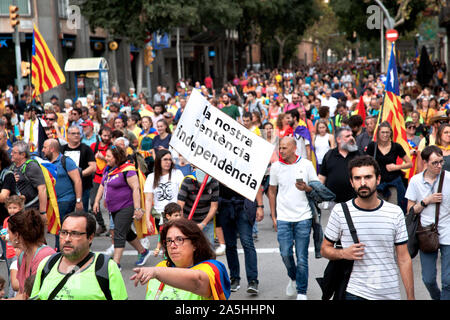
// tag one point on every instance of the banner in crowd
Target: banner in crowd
(220, 146)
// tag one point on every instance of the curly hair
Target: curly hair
(190, 229)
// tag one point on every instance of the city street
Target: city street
(272, 273)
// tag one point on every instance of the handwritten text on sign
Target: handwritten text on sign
(223, 148)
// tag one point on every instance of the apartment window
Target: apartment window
(24, 7)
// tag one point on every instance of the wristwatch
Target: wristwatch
(78, 200)
(260, 206)
(423, 204)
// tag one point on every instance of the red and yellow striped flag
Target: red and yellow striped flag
(45, 71)
(53, 221)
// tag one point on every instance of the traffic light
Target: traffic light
(25, 67)
(148, 55)
(13, 16)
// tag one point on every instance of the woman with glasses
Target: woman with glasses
(120, 188)
(443, 142)
(190, 271)
(386, 152)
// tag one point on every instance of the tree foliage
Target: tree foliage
(352, 16)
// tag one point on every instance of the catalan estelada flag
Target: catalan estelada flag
(219, 283)
(140, 225)
(392, 107)
(218, 278)
(302, 131)
(49, 172)
(45, 71)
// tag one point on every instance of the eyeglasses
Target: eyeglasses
(437, 163)
(72, 234)
(178, 241)
(75, 133)
(50, 119)
(411, 127)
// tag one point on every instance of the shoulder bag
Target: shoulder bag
(428, 236)
(338, 272)
(412, 222)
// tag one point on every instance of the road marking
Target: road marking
(240, 251)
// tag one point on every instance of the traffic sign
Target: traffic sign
(391, 35)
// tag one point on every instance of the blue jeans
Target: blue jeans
(65, 207)
(208, 230)
(349, 296)
(85, 199)
(397, 183)
(298, 234)
(429, 272)
(234, 220)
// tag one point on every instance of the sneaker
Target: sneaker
(235, 286)
(253, 287)
(291, 289)
(220, 250)
(143, 257)
(301, 297)
(110, 251)
(2, 258)
(318, 255)
(255, 236)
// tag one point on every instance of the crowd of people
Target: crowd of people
(117, 157)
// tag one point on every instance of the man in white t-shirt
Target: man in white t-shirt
(329, 101)
(9, 95)
(422, 195)
(382, 235)
(291, 213)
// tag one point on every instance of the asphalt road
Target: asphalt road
(272, 273)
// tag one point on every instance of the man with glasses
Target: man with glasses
(89, 276)
(83, 156)
(58, 132)
(423, 197)
(75, 119)
(68, 185)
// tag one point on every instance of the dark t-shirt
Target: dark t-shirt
(335, 168)
(157, 141)
(29, 181)
(81, 155)
(8, 183)
(396, 151)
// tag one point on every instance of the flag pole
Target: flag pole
(194, 207)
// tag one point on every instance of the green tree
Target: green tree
(352, 16)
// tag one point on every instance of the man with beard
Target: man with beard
(230, 109)
(333, 171)
(99, 149)
(381, 249)
(76, 273)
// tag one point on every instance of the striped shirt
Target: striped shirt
(375, 277)
(188, 192)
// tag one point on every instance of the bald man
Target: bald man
(68, 181)
(291, 213)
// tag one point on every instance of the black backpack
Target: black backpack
(101, 271)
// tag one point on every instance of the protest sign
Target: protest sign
(222, 147)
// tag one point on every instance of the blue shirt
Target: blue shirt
(64, 187)
(90, 141)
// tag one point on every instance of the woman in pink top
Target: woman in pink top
(27, 232)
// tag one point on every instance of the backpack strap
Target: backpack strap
(48, 266)
(350, 222)
(101, 272)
